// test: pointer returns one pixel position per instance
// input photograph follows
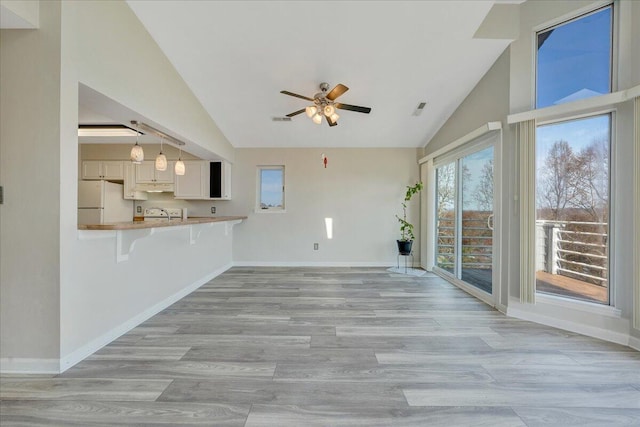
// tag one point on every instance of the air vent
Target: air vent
(419, 108)
(281, 119)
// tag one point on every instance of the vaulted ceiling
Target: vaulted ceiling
(236, 56)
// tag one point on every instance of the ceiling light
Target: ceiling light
(161, 160)
(311, 110)
(179, 168)
(137, 154)
(317, 118)
(329, 110)
(334, 117)
(105, 130)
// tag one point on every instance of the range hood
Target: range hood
(155, 188)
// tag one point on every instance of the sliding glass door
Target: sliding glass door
(464, 217)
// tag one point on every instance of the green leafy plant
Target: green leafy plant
(406, 228)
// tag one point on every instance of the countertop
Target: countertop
(136, 225)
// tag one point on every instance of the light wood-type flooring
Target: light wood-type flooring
(335, 347)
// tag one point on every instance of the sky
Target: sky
(271, 187)
(576, 56)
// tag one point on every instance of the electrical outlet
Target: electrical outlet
(213, 209)
(315, 246)
(138, 209)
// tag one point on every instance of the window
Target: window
(271, 188)
(572, 208)
(574, 59)
(464, 216)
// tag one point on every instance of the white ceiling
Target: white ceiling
(236, 56)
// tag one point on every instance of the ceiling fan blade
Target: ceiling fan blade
(295, 113)
(330, 122)
(336, 91)
(365, 110)
(286, 92)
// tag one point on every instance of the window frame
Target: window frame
(611, 238)
(571, 17)
(274, 209)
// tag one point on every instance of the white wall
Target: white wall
(129, 68)
(361, 189)
(29, 173)
(103, 46)
(110, 297)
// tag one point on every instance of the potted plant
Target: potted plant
(406, 228)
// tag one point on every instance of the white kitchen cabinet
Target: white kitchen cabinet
(194, 184)
(146, 173)
(112, 170)
(203, 179)
(130, 182)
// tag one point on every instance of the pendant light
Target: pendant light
(137, 154)
(179, 168)
(161, 160)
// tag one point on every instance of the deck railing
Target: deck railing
(575, 249)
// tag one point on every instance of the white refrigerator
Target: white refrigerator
(102, 201)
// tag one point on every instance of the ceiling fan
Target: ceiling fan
(324, 104)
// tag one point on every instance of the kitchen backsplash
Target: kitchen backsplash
(194, 207)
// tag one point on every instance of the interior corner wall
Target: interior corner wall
(30, 176)
(361, 189)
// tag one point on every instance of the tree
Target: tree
(483, 194)
(557, 183)
(592, 181)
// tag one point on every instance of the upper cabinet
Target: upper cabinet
(204, 180)
(146, 173)
(193, 184)
(103, 169)
(130, 192)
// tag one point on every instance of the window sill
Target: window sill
(270, 211)
(589, 307)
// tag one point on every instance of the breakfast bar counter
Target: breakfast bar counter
(137, 225)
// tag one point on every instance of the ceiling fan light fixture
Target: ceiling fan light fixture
(317, 118)
(329, 110)
(334, 117)
(311, 110)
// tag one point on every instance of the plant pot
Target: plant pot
(404, 246)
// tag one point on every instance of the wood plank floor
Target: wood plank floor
(335, 347)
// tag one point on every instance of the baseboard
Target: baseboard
(83, 352)
(501, 308)
(313, 264)
(567, 325)
(17, 365)
(634, 343)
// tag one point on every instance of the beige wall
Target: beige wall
(361, 189)
(29, 173)
(475, 110)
